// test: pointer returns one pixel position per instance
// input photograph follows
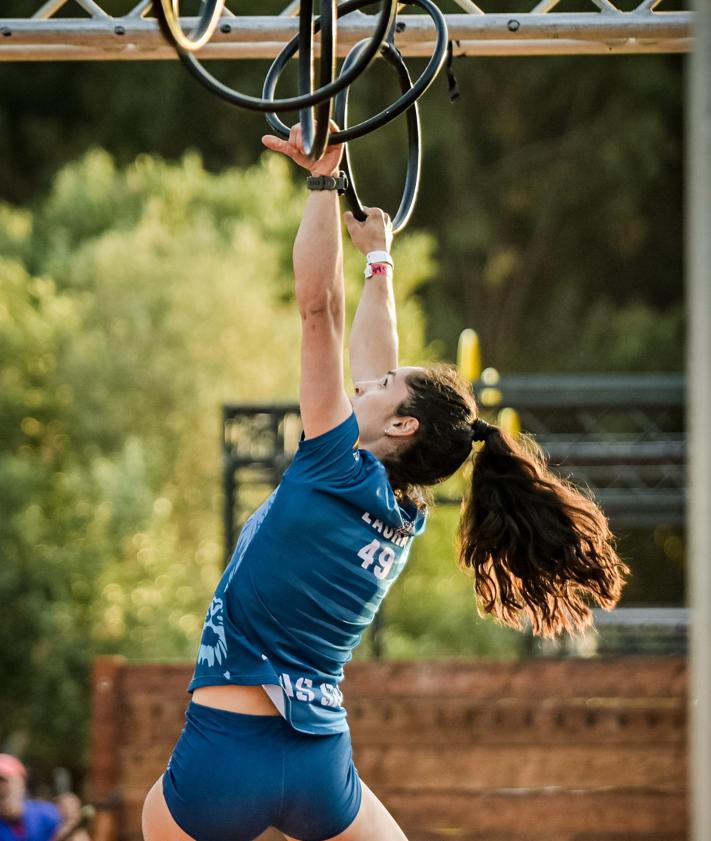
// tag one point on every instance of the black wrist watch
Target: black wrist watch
(328, 182)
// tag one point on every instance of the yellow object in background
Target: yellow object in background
(490, 376)
(490, 397)
(469, 355)
(510, 421)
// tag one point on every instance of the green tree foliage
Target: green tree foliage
(134, 301)
(552, 186)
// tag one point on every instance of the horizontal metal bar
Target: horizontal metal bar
(269, 50)
(261, 36)
(671, 383)
(557, 47)
(642, 498)
(618, 500)
(623, 514)
(587, 453)
(556, 392)
(549, 390)
(411, 28)
(658, 617)
(236, 410)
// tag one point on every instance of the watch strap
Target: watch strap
(328, 182)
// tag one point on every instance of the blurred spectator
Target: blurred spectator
(69, 806)
(23, 819)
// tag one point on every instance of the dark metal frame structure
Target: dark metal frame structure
(84, 30)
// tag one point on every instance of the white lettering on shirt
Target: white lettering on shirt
(303, 689)
(400, 537)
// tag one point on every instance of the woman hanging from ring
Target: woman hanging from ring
(266, 740)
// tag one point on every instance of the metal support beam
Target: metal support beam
(699, 414)
(136, 36)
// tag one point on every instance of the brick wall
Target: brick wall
(570, 750)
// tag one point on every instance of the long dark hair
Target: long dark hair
(539, 547)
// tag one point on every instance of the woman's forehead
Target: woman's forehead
(406, 370)
(400, 380)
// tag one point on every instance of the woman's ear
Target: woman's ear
(400, 426)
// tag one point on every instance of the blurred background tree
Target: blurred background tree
(560, 239)
(133, 302)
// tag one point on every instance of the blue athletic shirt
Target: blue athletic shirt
(309, 571)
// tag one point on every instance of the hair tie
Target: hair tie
(481, 430)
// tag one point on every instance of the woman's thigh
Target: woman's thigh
(157, 822)
(372, 823)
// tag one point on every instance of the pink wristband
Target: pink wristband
(381, 269)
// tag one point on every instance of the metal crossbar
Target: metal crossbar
(86, 31)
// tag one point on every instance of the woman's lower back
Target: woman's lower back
(252, 700)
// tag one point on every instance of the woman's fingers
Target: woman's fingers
(276, 144)
(294, 149)
(352, 224)
(296, 138)
(377, 216)
(373, 212)
(293, 146)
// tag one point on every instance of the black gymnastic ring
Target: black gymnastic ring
(391, 112)
(414, 163)
(306, 72)
(207, 23)
(294, 103)
(327, 73)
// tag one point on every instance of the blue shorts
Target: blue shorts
(232, 775)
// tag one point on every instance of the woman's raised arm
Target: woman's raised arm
(318, 270)
(374, 341)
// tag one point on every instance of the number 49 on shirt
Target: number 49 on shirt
(375, 553)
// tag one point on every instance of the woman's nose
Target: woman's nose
(361, 387)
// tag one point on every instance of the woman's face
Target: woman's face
(375, 404)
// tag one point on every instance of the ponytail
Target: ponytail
(540, 549)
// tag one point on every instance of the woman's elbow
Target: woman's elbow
(320, 304)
